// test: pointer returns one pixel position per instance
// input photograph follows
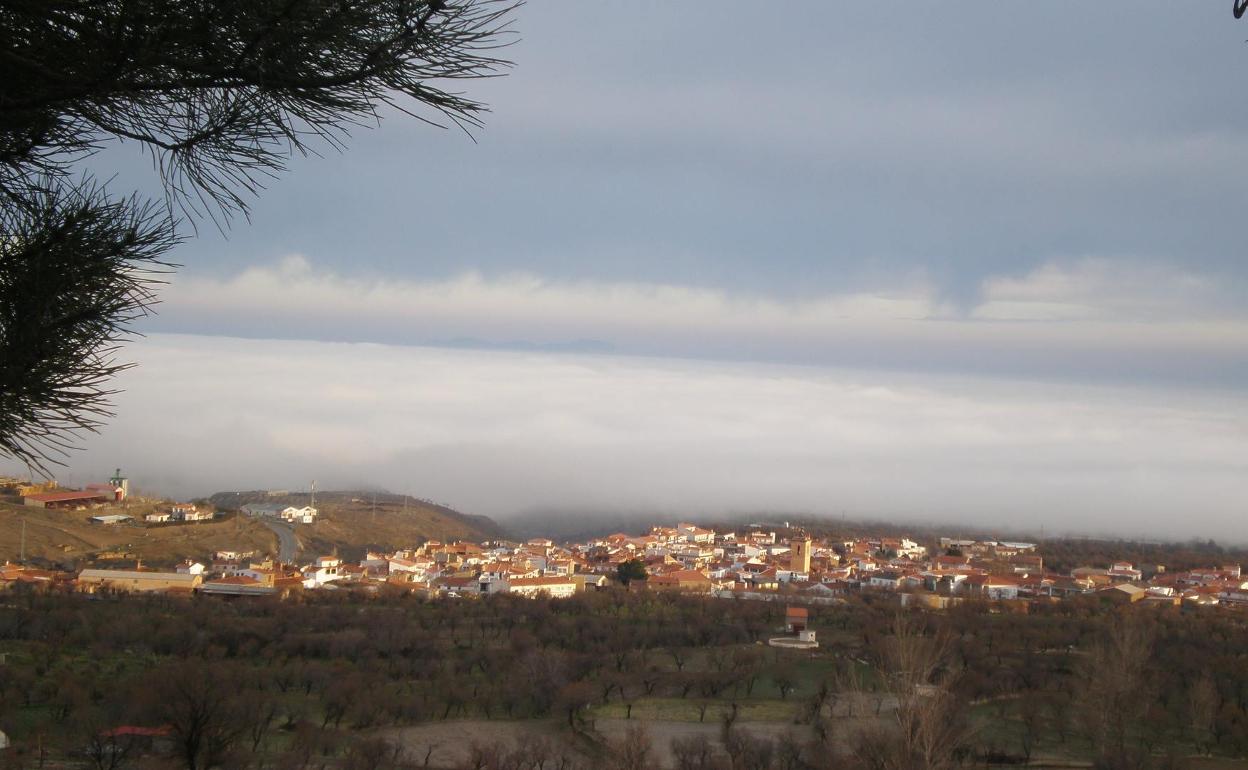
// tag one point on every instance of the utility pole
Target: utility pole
(23, 556)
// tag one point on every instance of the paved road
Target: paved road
(287, 543)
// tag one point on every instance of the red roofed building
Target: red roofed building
(796, 619)
(66, 499)
(680, 580)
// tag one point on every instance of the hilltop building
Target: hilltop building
(289, 513)
(67, 500)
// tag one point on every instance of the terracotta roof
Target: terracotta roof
(541, 581)
(144, 732)
(60, 497)
(238, 580)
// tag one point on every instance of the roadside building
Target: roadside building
(91, 580)
(238, 585)
(112, 518)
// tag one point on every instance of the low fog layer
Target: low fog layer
(502, 432)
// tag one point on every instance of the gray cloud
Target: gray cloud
(1076, 320)
(799, 153)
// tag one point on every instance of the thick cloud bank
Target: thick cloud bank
(1092, 318)
(501, 432)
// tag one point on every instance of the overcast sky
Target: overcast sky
(974, 260)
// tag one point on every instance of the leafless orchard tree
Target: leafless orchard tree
(926, 726)
(1116, 692)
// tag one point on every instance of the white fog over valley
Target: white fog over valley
(500, 433)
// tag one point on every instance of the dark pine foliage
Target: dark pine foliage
(222, 93)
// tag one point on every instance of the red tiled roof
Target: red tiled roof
(540, 581)
(240, 580)
(144, 732)
(60, 497)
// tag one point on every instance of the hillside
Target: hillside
(69, 538)
(351, 522)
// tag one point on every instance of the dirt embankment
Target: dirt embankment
(69, 538)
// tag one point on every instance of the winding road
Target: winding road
(287, 543)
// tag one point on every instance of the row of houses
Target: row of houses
(755, 564)
(179, 512)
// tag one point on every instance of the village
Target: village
(755, 562)
(772, 623)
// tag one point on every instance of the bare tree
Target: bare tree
(106, 748)
(1114, 696)
(1203, 705)
(927, 728)
(634, 751)
(694, 753)
(197, 700)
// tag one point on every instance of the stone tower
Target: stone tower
(800, 554)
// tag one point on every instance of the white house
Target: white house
(911, 549)
(189, 567)
(232, 555)
(1123, 570)
(304, 515)
(998, 589)
(326, 570)
(294, 514)
(884, 579)
(490, 585)
(789, 576)
(415, 567)
(554, 587)
(691, 533)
